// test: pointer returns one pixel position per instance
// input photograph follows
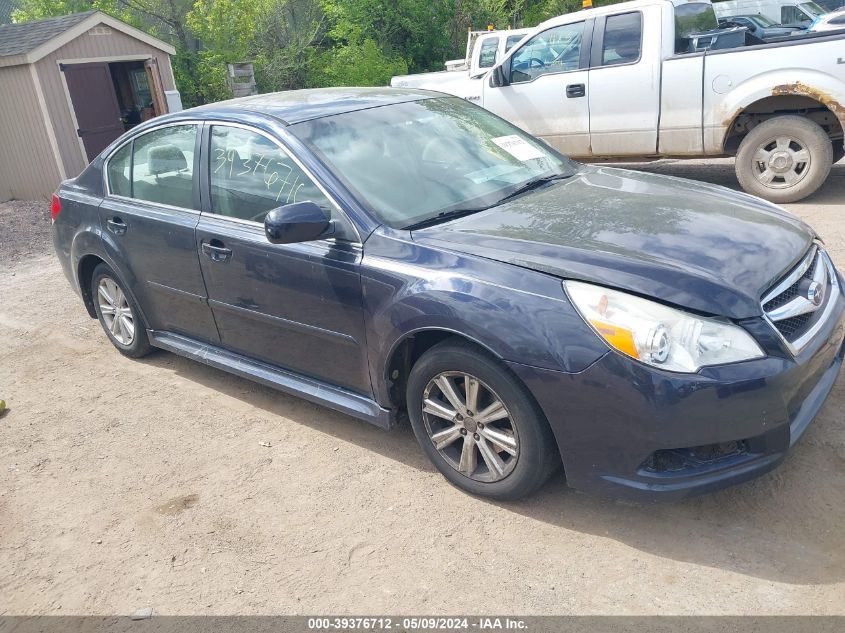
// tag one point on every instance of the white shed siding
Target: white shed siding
(28, 167)
(100, 43)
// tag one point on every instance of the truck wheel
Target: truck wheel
(784, 159)
(477, 424)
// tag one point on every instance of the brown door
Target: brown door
(95, 104)
(156, 87)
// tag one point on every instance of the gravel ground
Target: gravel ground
(24, 230)
(128, 484)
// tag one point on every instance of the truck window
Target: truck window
(487, 54)
(791, 14)
(511, 41)
(693, 17)
(554, 51)
(622, 36)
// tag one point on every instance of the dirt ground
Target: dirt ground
(127, 484)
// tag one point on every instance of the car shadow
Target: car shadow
(784, 527)
(721, 172)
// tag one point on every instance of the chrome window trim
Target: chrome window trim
(107, 190)
(249, 128)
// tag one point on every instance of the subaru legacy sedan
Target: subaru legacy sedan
(387, 252)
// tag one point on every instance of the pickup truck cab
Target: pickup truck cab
(620, 82)
(484, 49)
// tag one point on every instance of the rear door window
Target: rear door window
(163, 166)
(622, 37)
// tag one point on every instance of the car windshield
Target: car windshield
(761, 20)
(812, 8)
(420, 160)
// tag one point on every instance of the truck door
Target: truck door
(624, 99)
(546, 91)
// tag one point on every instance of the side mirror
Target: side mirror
(297, 222)
(499, 76)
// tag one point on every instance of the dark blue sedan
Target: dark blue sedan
(383, 251)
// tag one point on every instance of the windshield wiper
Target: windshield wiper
(532, 184)
(445, 216)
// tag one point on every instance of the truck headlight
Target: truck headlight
(658, 335)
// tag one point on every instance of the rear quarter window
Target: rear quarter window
(119, 172)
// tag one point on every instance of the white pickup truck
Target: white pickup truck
(484, 49)
(630, 80)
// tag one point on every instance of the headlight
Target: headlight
(658, 335)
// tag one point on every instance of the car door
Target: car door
(547, 87)
(295, 306)
(149, 215)
(624, 95)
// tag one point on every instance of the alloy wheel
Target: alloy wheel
(117, 315)
(781, 162)
(470, 426)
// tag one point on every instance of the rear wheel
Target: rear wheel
(784, 159)
(118, 314)
(477, 424)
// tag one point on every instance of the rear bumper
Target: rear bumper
(629, 431)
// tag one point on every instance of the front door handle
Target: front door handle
(575, 90)
(116, 226)
(216, 252)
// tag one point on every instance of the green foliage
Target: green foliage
(353, 64)
(308, 43)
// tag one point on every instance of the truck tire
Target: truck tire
(784, 159)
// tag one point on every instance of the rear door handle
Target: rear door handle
(216, 252)
(575, 90)
(116, 226)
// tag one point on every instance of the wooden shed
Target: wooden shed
(68, 87)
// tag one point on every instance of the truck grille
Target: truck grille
(800, 303)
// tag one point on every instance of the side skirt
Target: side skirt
(347, 402)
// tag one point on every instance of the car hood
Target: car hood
(699, 246)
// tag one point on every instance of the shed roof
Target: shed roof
(16, 39)
(27, 42)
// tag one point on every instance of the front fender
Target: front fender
(518, 315)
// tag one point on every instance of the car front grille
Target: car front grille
(799, 304)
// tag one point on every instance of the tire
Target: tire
(129, 342)
(838, 151)
(769, 161)
(527, 455)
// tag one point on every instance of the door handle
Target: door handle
(216, 252)
(116, 226)
(575, 90)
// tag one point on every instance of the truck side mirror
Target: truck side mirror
(499, 77)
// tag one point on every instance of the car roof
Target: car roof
(295, 106)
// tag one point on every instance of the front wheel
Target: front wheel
(477, 424)
(784, 159)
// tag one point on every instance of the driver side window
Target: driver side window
(249, 175)
(554, 51)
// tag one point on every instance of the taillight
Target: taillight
(55, 208)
